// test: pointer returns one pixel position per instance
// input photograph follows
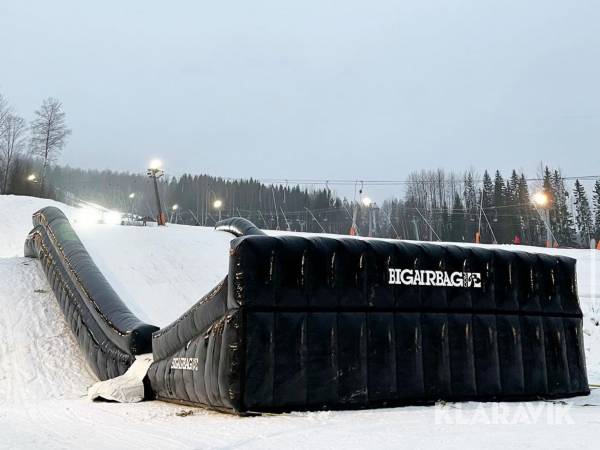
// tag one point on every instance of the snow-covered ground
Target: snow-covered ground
(160, 273)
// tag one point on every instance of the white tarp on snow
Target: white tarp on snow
(127, 388)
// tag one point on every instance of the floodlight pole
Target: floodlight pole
(370, 216)
(160, 214)
(156, 173)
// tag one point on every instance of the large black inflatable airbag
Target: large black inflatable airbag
(321, 322)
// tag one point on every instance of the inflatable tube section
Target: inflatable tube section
(238, 226)
(108, 333)
(340, 323)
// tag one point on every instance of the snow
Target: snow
(160, 272)
(16, 221)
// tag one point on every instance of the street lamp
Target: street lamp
(154, 172)
(217, 205)
(174, 208)
(155, 164)
(368, 203)
(132, 195)
(542, 200)
(32, 178)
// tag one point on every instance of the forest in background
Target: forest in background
(434, 204)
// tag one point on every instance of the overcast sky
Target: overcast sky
(312, 89)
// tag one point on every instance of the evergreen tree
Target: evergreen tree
(548, 189)
(583, 214)
(471, 208)
(528, 217)
(488, 190)
(486, 201)
(513, 209)
(565, 229)
(499, 192)
(596, 203)
(499, 201)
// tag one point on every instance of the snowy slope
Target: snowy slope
(158, 271)
(43, 377)
(16, 221)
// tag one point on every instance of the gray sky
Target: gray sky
(312, 89)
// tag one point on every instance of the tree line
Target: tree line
(495, 209)
(436, 204)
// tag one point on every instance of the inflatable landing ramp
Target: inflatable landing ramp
(337, 323)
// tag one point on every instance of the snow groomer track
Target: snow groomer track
(340, 323)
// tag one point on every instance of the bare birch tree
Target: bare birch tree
(12, 143)
(4, 111)
(49, 134)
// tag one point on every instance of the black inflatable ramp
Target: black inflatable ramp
(108, 333)
(338, 323)
(239, 226)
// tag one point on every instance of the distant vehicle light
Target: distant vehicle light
(88, 215)
(113, 218)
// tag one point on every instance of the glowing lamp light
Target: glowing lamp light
(175, 207)
(31, 177)
(217, 204)
(366, 201)
(541, 199)
(132, 195)
(155, 164)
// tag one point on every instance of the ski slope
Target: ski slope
(160, 272)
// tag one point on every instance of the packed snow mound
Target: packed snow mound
(38, 356)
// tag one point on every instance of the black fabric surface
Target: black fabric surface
(313, 323)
